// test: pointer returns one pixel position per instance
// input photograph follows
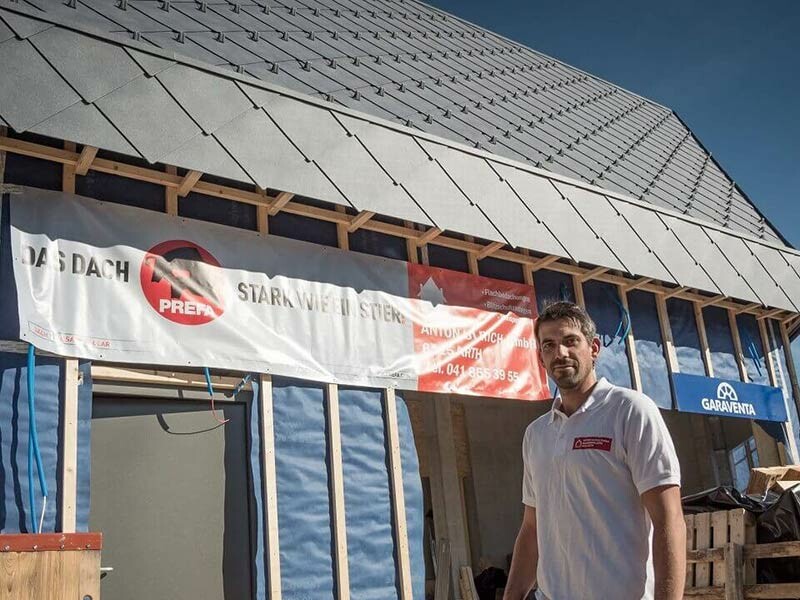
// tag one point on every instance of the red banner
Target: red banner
(478, 339)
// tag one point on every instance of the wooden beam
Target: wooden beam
(188, 182)
(171, 194)
(639, 283)
(790, 364)
(124, 375)
(770, 313)
(769, 357)
(591, 274)
(630, 344)
(69, 448)
(734, 572)
(262, 219)
(577, 289)
(544, 262)
(712, 301)
(85, 160)
(360, 219)
(342, 230)
(398, 495)
(489, 249)
(68, 171)
(784, 381)
(702, 335)
(412, 254)
(337, 495)
(737, 346)
(270, 484)
(472, 258)
(673, 293)
(429, 236)
(747, 308)
(280, 201)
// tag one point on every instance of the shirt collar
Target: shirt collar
(598, 394)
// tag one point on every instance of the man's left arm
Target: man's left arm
(663, 504)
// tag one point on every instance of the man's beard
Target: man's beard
(567, 380)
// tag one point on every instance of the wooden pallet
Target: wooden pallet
(721, 559)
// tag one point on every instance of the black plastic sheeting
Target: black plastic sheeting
(306, 539)
(14, 418)
(777, 520)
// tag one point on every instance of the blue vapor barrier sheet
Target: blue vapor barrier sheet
(256, 496)
(367, 497)
(752, 349)
(685, 336)
(650, 348)
(301, 462)
(720, 343)
(728, 398)
(15, 516)
(601, 304)
(552, 286)
(412, 488)
(9, 313)
(782, 371)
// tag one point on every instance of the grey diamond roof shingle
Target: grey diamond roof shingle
(576, 124)
(168, 108)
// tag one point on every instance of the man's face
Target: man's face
(566, 354)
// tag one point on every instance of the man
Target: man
(601, 488)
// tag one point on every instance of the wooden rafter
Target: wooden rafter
(85, 160)
(638, 284)
(188, 182)
(747, 308)
(770, 313)
(676, 292)
(591, 274)
(360, 219)
(429, 236)
(712, 301)
(543, 262)
(489, 249)
(280, 203)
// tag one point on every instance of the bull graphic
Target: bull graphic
(185, 271)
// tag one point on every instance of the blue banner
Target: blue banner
(728, 398)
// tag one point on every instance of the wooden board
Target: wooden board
(50, 575)
(270, 483)
(690, 545)
(719, 537)
(337, 494)
(702, 523)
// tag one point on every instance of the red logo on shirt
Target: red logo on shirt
(592, 443)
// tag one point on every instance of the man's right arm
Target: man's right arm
(522, 574)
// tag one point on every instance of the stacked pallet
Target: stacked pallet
(763, 479)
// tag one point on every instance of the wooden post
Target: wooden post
(702, 524)
(630, 344)
(451, 487)
(69, 448)
(666, 334)
(772, 360)
(737, 346)
(790, 380)
(398, 496)
(701, 334)
(171, 195)
(442, 565)
(270, 483)
(68, 171)
(472, 257)
(411, 247)
(262, 213)
(690, 545)
(342, 234)
(734, 580)
(577, 288)
(337, 495)
(719, 525)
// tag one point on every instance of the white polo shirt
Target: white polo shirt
(584, 474)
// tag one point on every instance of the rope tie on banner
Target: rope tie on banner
(624, 326)
(207, 373)
(33, 446)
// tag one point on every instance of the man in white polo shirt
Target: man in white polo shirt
(601, 488)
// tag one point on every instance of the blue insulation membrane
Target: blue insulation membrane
(301, 461)
(720, 343)
(15, 510)
(601, 306)
(752, 349)
(257, 524)
(368, 508)
(412, 488)
(782, 371)
(552, 286)
(685, 336)
(84, 443)
(650, 348)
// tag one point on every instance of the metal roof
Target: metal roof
(134, 99)
(415, 65)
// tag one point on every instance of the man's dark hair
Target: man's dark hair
(556, 311)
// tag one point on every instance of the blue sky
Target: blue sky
(730, 69)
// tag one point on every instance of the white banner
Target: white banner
(120, 284)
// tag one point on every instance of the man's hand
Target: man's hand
(663, 504)
(522, 574)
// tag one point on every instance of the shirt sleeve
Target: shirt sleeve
(649, 449)
(528, 494)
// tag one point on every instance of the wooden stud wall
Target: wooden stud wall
(337, 494)
(270, 485)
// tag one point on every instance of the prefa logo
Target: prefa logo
(181, 281)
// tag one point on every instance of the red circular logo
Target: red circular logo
(182, 282)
